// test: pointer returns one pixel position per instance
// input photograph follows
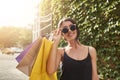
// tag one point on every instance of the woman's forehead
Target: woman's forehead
(66, 23)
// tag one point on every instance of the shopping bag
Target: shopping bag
(22, 54)
(25, 65)
(39, 69)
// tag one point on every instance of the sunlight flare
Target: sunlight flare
(17, 12)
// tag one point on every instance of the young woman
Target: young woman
(78, 60)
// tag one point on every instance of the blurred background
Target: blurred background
(23, 21)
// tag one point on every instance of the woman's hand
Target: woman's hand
(57, 36)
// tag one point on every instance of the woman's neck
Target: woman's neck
(74, 44)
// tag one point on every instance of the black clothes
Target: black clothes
(76, 69)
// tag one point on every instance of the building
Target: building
(42, 25)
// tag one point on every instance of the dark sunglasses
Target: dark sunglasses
(72, 28)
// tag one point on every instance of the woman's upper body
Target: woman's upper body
(77, 59)
(77, 69)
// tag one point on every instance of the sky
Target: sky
(18, 13)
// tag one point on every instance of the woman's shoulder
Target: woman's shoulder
(92, 51)
(91, 48)
(61, 50)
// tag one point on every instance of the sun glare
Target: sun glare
(17, 12)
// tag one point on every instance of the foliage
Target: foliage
(99, 24)
(45, 7)
(13, 36)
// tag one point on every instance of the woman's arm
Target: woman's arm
(55, 54)
(53, 60)
(94, 63)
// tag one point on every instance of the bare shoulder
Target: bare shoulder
(92, 51)
(61, 51)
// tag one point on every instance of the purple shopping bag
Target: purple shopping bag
(22, 54)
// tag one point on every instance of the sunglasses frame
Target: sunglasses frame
(66, 29)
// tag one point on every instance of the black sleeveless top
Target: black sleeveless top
(76, 69)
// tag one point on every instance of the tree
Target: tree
(13, 36)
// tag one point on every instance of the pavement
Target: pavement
(8, 69)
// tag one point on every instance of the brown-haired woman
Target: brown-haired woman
(78, 60)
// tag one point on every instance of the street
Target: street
(8, 69)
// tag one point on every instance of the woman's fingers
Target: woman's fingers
(57, 32)
(57, 35)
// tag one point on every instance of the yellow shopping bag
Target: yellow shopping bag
(39, 68)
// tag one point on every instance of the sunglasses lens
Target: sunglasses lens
(72, 28)
(65, 30)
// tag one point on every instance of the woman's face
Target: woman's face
(69, 31)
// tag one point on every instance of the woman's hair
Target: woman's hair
(71, 20)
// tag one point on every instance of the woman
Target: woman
(78, 60)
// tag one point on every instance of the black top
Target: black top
(76, 69)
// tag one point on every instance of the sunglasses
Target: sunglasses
(72, 28)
